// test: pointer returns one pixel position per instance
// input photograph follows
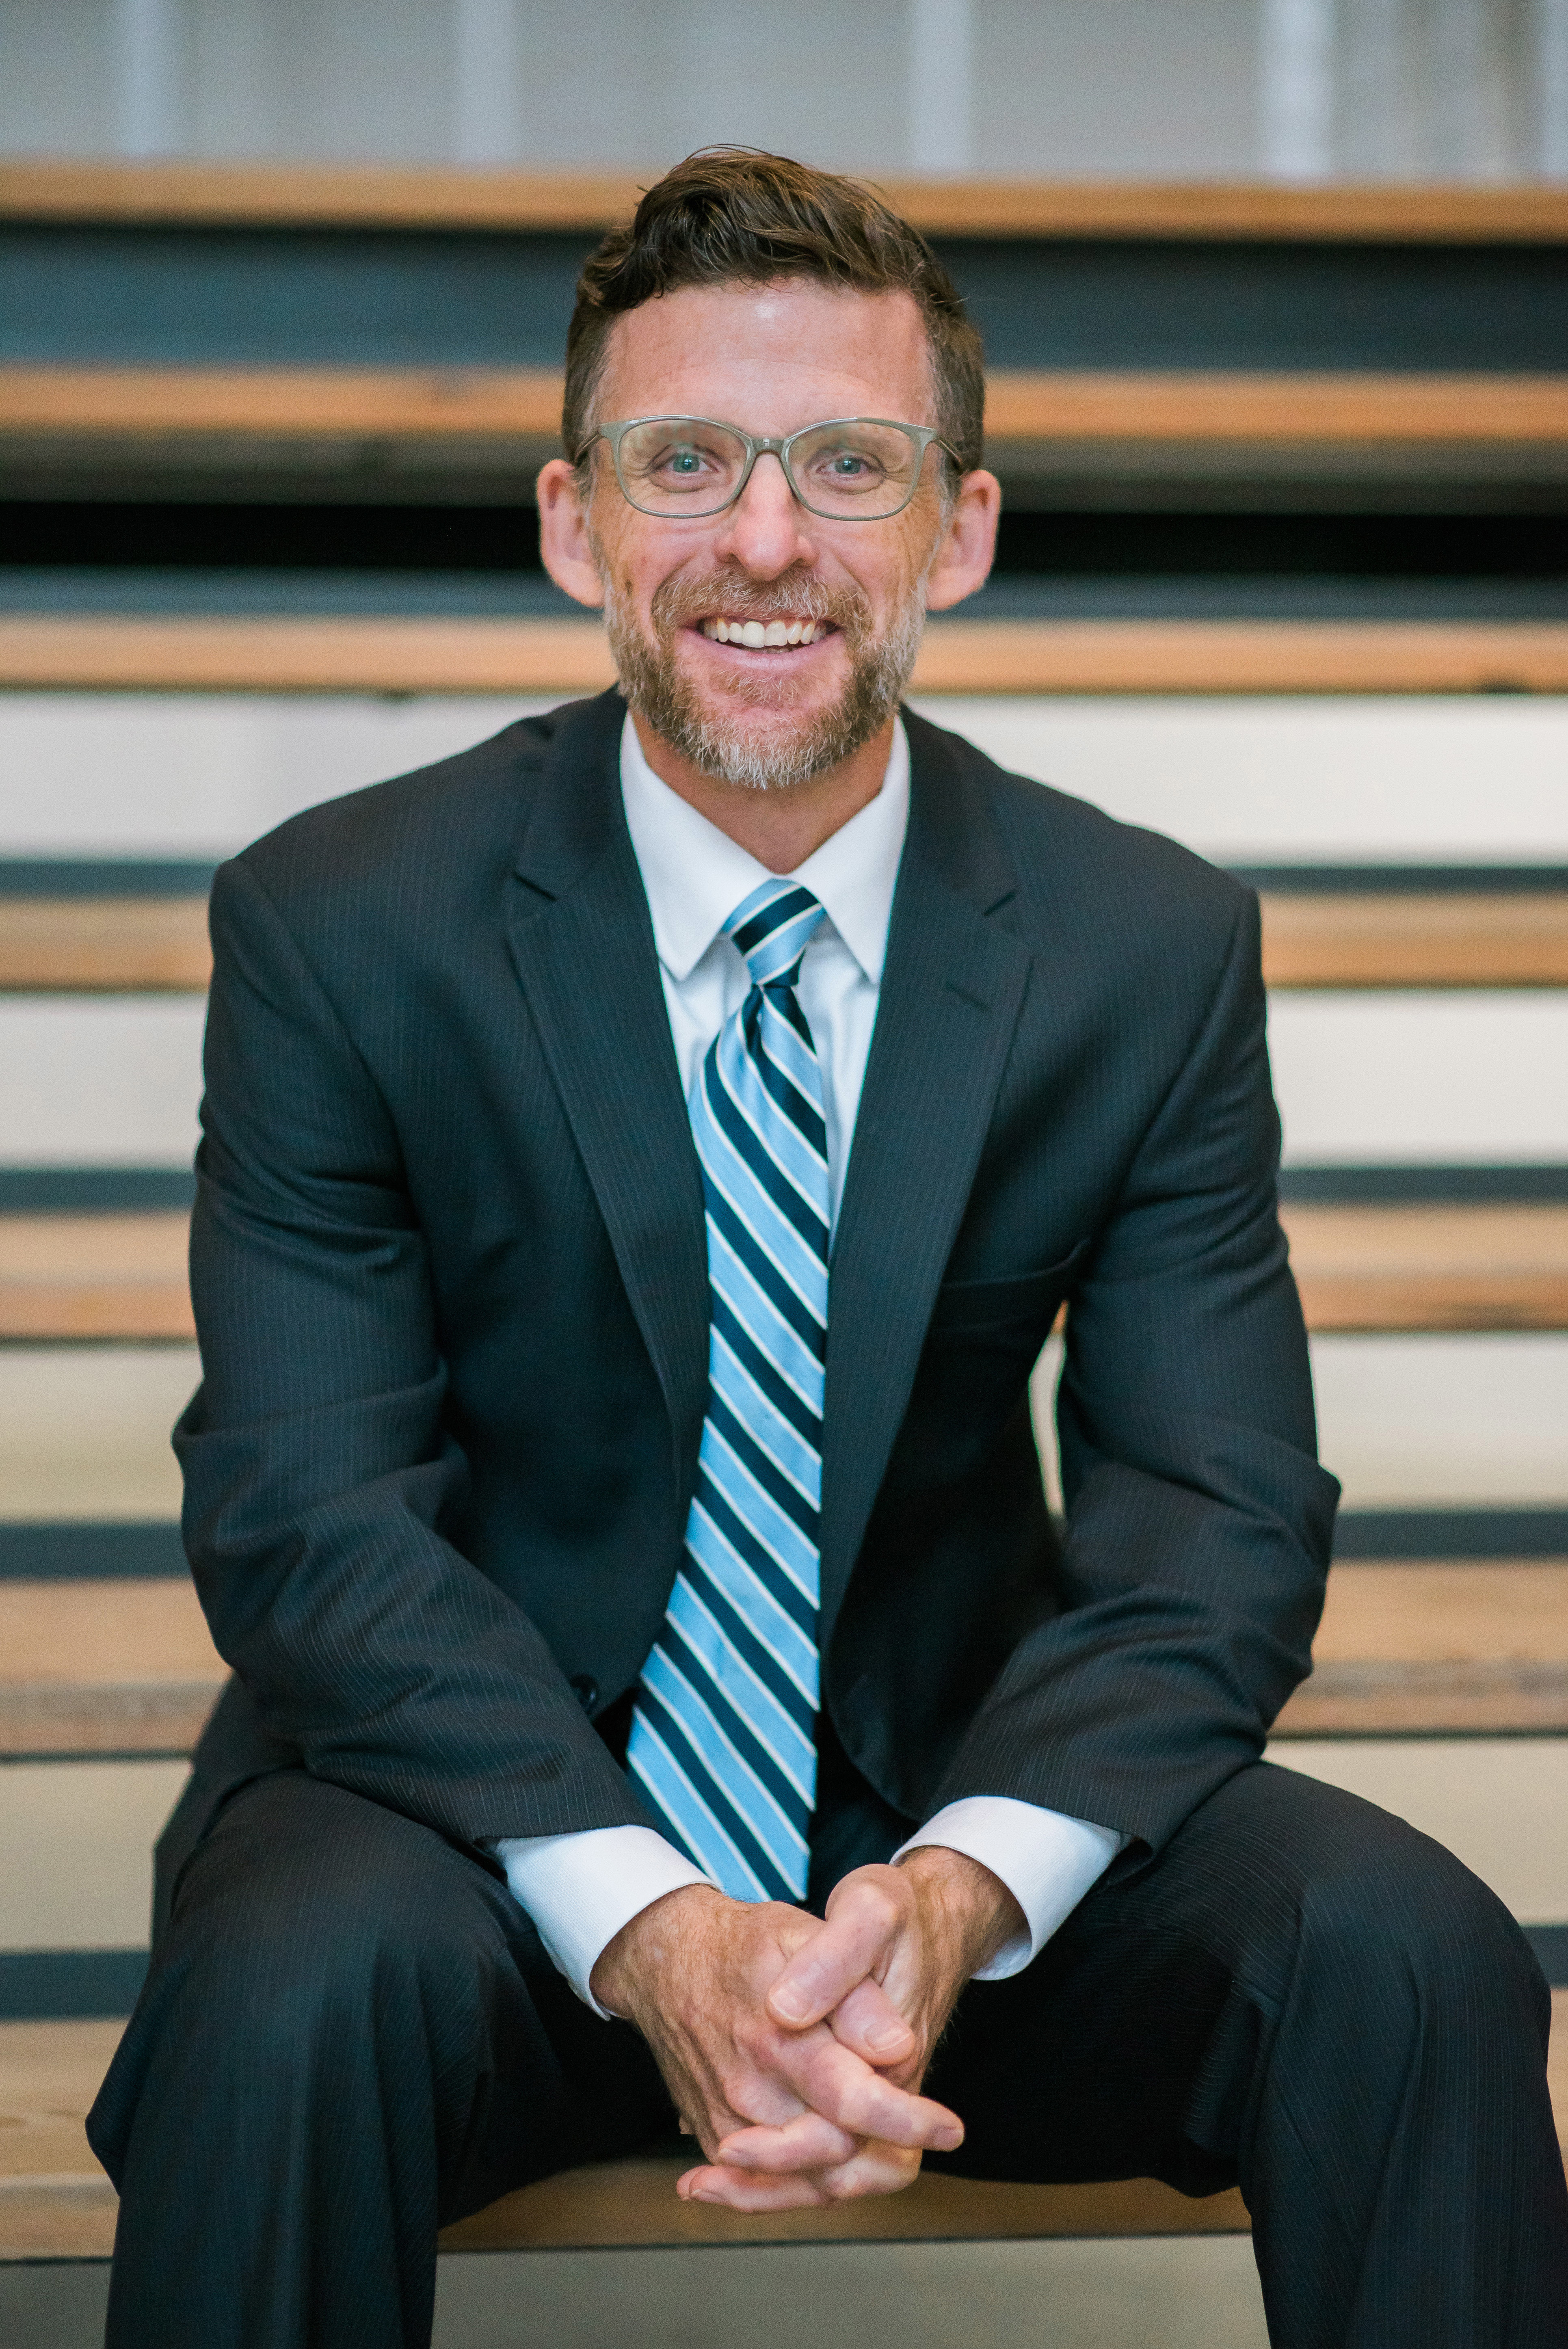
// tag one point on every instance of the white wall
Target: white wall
(1194, 88)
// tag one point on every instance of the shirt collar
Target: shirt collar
(695, 875)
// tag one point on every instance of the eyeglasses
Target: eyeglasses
(854, 469)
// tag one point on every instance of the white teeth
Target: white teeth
(755, 636)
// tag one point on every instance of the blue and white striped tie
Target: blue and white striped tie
(723, 1743)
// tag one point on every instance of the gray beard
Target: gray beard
(726, 748)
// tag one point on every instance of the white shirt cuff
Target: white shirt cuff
(580, 1890)
(1046, 1860)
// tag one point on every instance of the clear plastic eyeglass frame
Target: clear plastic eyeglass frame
(922, 437)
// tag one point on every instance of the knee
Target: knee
(1410, 1930)
(302, 1940)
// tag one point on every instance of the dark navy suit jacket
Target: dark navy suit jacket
(450, 1284)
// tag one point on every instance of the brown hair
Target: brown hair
(736, 215)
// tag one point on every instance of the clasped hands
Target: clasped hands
(793, 2047)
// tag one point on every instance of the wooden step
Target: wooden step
(386, 195)
(1473, 1267)
(335, 654)
(1440, 1647)
(1061, 409)
(103, 1667)
(1321, 939)
(57, 2203)
(116, 944)
(1379, 939)
(1430, 1268)
(95, 1275)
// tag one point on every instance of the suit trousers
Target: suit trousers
(351, 2035)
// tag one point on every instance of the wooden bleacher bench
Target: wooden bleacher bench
(106, 945)
(334, 653)
(1026, 409)
(1475, 1265)
(56, 2202)
(380, 196)
(1436, 1646)
(1313, 938)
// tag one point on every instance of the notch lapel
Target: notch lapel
(582, 943)
(951, 991)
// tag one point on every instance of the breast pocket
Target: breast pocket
(1019, 1307)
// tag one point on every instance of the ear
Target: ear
(968, 543)
(564, 541)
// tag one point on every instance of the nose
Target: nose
(767, 531)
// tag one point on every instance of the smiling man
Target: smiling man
(642, 1160)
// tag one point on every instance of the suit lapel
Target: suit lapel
(953, 983)
(951, 986)
(582, 943)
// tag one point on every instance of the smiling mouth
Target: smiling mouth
(765, 636)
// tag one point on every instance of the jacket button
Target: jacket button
(585, 1689)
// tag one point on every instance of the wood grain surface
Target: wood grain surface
(1473, 1267)
(326, 403)
(1474, 1645)
(1059, 409)
(114, 944)
(95, 1275)
(1470, 1267)
(1437, 1646)
(368, 195)
(331, 654)
(1310, 940)
(100, 1667)
(57, 2203)
(1375, 939)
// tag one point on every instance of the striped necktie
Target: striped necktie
(723, 1742)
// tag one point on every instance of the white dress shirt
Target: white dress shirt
(580, 1890)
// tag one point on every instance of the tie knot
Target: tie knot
(773, 927)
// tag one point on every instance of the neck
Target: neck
(780, 828)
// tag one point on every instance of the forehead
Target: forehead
(769, 358)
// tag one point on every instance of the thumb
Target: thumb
(869, 2023)
(862, 1923)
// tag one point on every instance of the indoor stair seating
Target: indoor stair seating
(1383, 757)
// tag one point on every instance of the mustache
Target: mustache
(677, 603)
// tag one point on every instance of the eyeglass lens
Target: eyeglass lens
(681, 465)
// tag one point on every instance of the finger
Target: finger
(864, 1918)
(808, 2143)
(870, 2025)
(874, 2169)
(845, 2090)
(740, 2190)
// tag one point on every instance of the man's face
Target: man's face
(768, 358)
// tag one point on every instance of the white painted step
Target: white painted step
(1498, 1803)
(1461, 1420)
(75, 1851)
(1313, 780)
(1424, 1078)
(1192, 2292)
(84, 1431)
(76, 1837)
(1308, 780)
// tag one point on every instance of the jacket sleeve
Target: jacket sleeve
(1199, 1523)
(318, 1473)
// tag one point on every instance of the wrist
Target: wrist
(648, 1946)
(967, 1912)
